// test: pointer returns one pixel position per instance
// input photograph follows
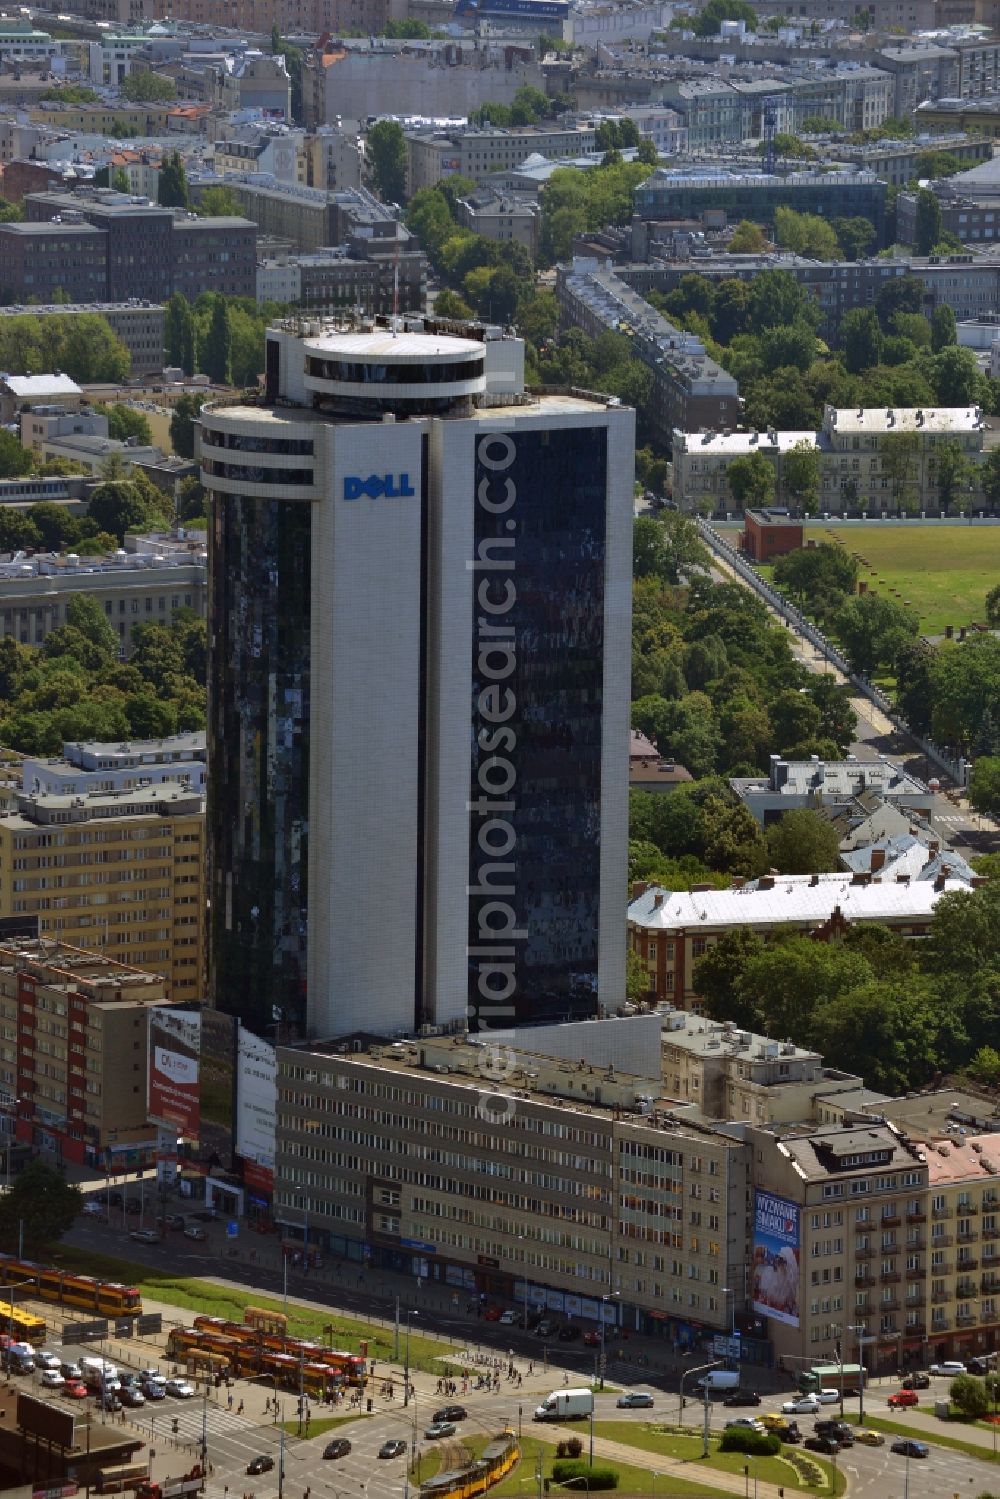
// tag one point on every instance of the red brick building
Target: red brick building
(770, 533)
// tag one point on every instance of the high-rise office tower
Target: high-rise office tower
(418, 687)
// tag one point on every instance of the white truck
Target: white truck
(566, 1405)
(98, 1373)
(719, 1379)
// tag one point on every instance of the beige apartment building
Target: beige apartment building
(122, 872)
(73, 1027)
(562, 1185)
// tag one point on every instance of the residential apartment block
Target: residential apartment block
(689, 388)
(120, 871)
(479, 152)
(91, 766)
(855, 475)
(565, 1185)
(73, 1053)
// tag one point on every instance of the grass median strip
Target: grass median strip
(523, 1479)
(686, 1446)
(210, 1299)
(319, 1428)
(932, 1438)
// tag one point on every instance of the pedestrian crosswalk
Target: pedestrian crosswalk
(192, 1421)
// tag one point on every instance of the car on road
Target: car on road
(742, 1397)
(174, 1220)
(635, 1400)
(509, 1318)
(492, 1313)
(592, 1339)
(982, 1365)
(839, 1430)
(93, 1209)
(145, 1236)
(901, 1398)
(746, 1423)
(154, 1389)
(828, 1397)
(52, 1379)
(917, 1382)
(907, 1447)
(339, 1447)
(438, 1429)
(546, 1327)
(108, 1402)
(132, 1397)
(569, 1333)
(196, 1232)
(75, 1389)
(450, 1413)
(179, 1388)
(393, 1448)
(800, 1405)
(869, 1438)
(262, 1464)
(828, 1445)
(949, 1369)
(71, 1371)
(46, 1360)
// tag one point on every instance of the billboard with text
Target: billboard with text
(256, 1098)
(174, 1096)
(776, 1251)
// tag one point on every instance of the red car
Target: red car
(592, 1339)
(904, 1397)
(492, 1314)
(75, 1389)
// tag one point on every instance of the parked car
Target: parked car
(492, 1314)
(949, 1369)
(180, 1389)
(569, 1332)
(145, 1236)
(742, 1397)
(635, 1400)
(592, 1339)
(450, 1413)
(393, 1448)
(869, 1438)
(262, 1464)
(828, 1445)
(901, 1398)
(907, 1447)
(918, 1381)
(196, 1232)
(509, 1318)
(546, 1327)
(93, 1209)
(339, 1447)
(438, 1429)
(52, 1379)
(800, 1405)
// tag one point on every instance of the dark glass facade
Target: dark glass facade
(258, 771)
(537, 708)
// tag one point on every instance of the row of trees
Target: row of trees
(218, 336)
(81, 345)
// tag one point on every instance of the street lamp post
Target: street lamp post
(604, 1324)
(406, 1366)
(701, 1369)
(862, 1339)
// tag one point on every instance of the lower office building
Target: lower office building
(575, 1189)
(418, 686)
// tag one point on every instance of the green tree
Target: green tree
(928, 221)
(992, 607)
(125, 422)
(944, 327)
(119, 506)
(172, 189)
(219, 202)
(957, 380)
(856, 236)
(216, 350)
(448, 303)
(748, 239)
(984, 785)
(148, 88)
(804, 842)
(14, 460)
(954, 470)
(872, 629)
(806, 234)
(386, 150)
(861, 339)
(708, 21)
(667, 547)
(637, 982)
(795, 978)
(777, 300)
(884, 1028)
(800, 475)
(646, 152)
(969, 1396)
(43, 1201)
(182, 420)
(179, 333)
(900, 457)
(751, 481)
(84, 613)
(716, 977)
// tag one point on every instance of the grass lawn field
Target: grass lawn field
(204, 1297)
(944, 571)
(668, 1442)
(321, 1427)
(522, 1480)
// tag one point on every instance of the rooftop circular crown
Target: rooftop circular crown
(396, 369)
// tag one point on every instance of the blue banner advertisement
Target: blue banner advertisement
(776, 1251)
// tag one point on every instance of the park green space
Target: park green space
(944, 572)
(214, 1299)
(932, 1438)
(686, 1446)
(522, 1480)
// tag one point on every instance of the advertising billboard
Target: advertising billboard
(174, 1070)
(776, 1250)
(256, 1098)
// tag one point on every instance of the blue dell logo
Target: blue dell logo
(391, 486)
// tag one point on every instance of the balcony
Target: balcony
(916, 1217)
(891, 1220)
(940, 1324)
(915, 1329)
(966, 1236)
(966, 1320)
(941, 1241)
(916, 1273)
(968, 1209)
(864, 1279)
(989, 1284)
(863, 1254)
(939, 1297)
(967, 1264)
(890, 1277)
(889, 1306)
(989, 1233)
(938, 1213)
